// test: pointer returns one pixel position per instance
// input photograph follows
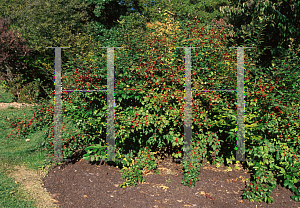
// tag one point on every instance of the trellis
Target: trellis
(110, 133)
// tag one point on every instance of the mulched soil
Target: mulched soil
(81, 183)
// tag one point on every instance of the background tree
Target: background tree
(204, 11)
(147, 12)
(12, 46)
(278, 20)
(43, 24)
(60, 23)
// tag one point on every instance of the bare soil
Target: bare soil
(82, 183)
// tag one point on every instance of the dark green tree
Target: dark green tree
(275, 22)
(205, 11)
(43, 24)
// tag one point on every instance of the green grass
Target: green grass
(13, 152)
(10, 196)
(16, 151)
(5, 97)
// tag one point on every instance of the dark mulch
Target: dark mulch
(85, 184)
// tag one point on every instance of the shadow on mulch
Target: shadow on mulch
(80, 183)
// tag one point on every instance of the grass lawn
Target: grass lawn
(21, 161)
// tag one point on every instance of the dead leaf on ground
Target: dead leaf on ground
(54, 200)
(161, 186)
(208, 196)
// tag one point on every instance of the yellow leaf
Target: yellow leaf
(164, 187)
(122, 21)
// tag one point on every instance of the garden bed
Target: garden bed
(86, 184)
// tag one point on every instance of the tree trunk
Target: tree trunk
(9, 73)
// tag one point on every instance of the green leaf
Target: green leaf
(89, 148)
(86, 156)
(94, 150)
